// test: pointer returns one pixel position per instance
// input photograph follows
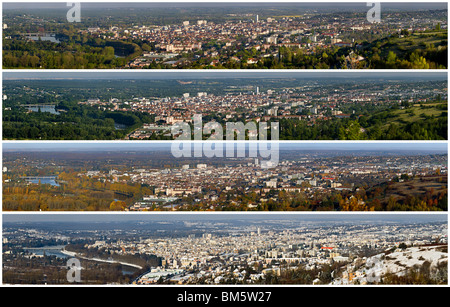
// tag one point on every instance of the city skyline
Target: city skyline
(97, 217)
(306, 5)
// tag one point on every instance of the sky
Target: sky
(418, 146)
(324, 5)
(202, 74)
(207, 216)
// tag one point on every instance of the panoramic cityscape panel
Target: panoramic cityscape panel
(204, 35)
(288, 105)
(224, 249)
(239, 176)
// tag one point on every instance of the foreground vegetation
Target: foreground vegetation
(89, 194)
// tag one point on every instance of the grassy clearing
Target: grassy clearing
(416, 113)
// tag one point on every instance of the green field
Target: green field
(424, 50)
(416, 113)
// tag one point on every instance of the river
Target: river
(49, 180)
(127, 268)
(44, 108)
(44, 37)
(49, 251)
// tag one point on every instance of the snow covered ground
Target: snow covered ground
(397, 262)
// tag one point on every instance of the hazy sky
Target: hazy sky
(201, 74)
(436, 146)
(139, 216)
(323, 5)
